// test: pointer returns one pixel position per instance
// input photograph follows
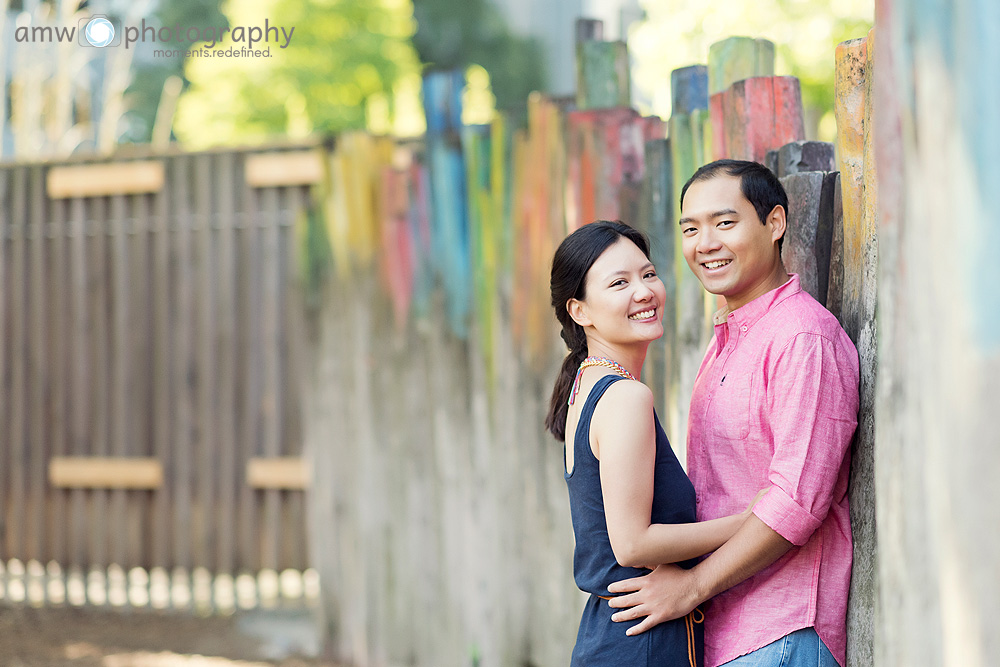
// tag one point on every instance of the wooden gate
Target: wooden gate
(151, 318)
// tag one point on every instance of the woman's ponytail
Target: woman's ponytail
(576, 340)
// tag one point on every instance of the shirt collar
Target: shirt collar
(748, 314)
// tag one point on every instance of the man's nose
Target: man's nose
(708, 241)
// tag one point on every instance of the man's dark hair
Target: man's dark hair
(758, 183)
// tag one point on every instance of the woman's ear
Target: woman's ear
(578, 311)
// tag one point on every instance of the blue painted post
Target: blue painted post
(448, 193)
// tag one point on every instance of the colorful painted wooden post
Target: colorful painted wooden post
(396, 243)
(759, 114)
(420, 233)
(937, 140)
(808, 238)
(801, 156)
(689, 90)
(852, 107)
(606, 161)
(835, 285)
(729, 61)
(737, 58)
(602, 69)
(656, 219)
(539, 217)
(589, 30)
(484, 151)
(448, 188)
(353, 221)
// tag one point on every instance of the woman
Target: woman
(632, 505)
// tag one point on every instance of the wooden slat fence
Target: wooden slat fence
(149, 314)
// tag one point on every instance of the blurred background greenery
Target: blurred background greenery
(357, 64)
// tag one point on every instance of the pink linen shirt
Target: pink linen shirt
(775, 403)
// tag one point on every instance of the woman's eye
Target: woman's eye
(650, 274)
(620, 281)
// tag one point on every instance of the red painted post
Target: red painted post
(761, 113)
(606, 156)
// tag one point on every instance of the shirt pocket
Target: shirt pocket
(729, 410)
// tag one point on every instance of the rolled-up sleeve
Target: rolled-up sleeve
(813, 408)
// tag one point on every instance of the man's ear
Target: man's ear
(777, 221)
(578, 311)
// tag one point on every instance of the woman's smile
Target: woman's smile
(647, 315)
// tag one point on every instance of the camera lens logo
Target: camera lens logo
(100, 32)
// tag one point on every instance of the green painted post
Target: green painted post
(738, 58)
(602, 70)
(689, 91)
(729, 61)
(656, 219)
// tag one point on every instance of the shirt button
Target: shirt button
(743, 328)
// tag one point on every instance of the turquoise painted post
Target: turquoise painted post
(448, 193)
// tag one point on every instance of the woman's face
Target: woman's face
(624, 297)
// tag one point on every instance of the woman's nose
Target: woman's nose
(643, 292)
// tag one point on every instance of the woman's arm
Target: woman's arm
(625, 435)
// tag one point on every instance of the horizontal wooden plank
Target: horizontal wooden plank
(94, 472)
(269, 170)
(97, 180)
(282, 472)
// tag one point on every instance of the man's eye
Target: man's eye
(727, 223)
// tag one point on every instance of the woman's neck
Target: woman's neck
(631, 357)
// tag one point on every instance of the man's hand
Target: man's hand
(665, 593)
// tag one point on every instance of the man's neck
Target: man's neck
(775, 279)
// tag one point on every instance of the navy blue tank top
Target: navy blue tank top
(601, 641)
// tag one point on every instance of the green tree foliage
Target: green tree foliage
(458, 33)
(343, 54)
(143, 93)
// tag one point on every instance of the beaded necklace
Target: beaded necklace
(597, 361)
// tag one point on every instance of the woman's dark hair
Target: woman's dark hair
(570, 264)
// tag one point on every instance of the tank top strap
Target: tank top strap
(601, 386)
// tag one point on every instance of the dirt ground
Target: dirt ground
(90, 637)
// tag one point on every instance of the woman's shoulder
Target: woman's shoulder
(625, 398)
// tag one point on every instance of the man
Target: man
(775, 404)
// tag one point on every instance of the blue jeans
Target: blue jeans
(802, 648)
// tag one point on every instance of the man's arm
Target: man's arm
(670, 592)
(812, 422)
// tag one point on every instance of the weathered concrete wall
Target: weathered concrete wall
(439, 517)
(937, 453)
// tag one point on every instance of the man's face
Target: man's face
(724, 242)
